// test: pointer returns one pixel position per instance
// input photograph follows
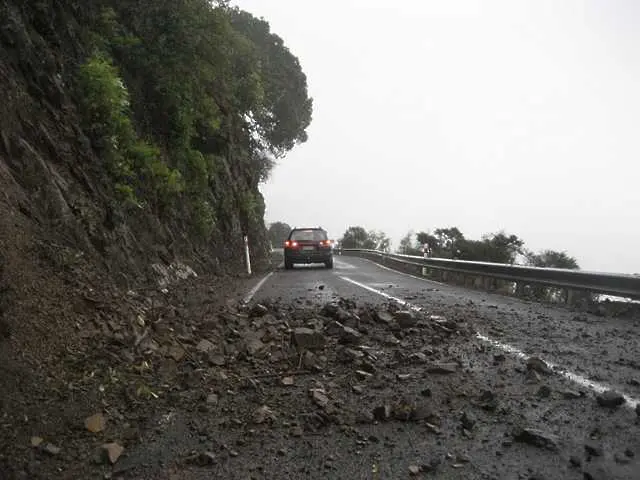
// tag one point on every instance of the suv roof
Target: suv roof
(318, 233)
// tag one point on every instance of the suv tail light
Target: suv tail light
(289, 243)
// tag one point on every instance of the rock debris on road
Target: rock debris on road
(352, 386)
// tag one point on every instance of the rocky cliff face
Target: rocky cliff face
(53, 182)
(65, 236)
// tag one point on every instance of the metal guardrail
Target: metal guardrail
(617, 284)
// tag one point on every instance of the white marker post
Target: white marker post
(424, 254)
(246, 254)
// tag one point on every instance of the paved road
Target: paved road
(591, 353)
(603, 350)
(467, 419)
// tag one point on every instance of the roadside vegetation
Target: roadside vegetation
(188, 105)
(451, 243)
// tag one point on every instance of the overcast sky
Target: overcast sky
(485, 115)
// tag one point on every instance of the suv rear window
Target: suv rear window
(308, 235)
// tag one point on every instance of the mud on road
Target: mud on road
(319, 378)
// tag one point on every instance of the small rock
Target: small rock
(95, 423)
(414, 470)
(112, 451)
(350, 336)
(36, 441)
(310, 361)
(258, 310)
(330, 310)
(362, 375)
(596, 472)
(405, 319)
(403, 377)
(202, 459)
(571, 394)
(351, 355)
(489, 401)
(383, 317)
(443, 368)
(610, 399)
(422, 412)
(357, 389)
(296, 431)
(320, 398)
(432, 465)
(364, 417)
(212, 399)
(254, 346)
(51, 449)
(263, 414)
(538, 365)
(308, 338)
(533, 377)
(205, 346)
(593, 449)
(403, 411)
(468, 421)
(621, 459)
(287, 381)
(176, 352)
(217, 359)
(432, 428)
(418, 357)
(537, 438)
(544, 391)
(382, 413)
(342, 315)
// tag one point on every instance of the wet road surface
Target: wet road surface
(494, 416)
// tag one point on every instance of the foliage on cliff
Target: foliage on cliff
(185, 99)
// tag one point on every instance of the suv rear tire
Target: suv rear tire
(288, 265)
(329, 263)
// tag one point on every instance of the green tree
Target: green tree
(379, 240)
(408, 245)
(278, 233)
(355, 237)
(426, 238)
(210, 96)
(359, 237)
(551, 259)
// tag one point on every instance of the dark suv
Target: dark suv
(308, 245)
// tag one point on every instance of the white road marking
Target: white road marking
(579, 379)
(255, 289)
(631, 402)
(386, 295)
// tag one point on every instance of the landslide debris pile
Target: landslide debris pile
(230, 366)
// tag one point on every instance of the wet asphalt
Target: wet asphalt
(590, 354)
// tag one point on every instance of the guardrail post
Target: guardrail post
(519, 289)
(570, 296)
